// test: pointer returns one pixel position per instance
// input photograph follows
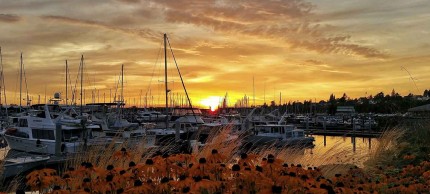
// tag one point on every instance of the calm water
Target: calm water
(327, 150)
(333, 149)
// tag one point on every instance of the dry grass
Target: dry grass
(104, 155)
(230, 145)
(333, 159)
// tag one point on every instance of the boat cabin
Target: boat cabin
(284, 131)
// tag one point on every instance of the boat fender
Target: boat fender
(63, 148)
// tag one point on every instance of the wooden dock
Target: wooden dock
(347, 133)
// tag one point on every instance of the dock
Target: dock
(347, 133)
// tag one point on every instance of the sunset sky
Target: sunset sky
(303, 49)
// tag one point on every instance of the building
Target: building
(345, 110)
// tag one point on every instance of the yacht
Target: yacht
(150, 116)
(38, 129)
(279, 135)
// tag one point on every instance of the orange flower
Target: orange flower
(409, 156)
(42, 178)
(122, 154)
(216, 157)
(139, 188)
(201, 184)
(426, 175)
(181, 183)
(249, 160)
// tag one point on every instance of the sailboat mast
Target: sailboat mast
(67, 73)
(1, 85)
(253, 89)
(165, 79)
(121, 101)
(82, 81)
(20, 84)
(2, 82)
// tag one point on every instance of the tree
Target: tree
(426, 93)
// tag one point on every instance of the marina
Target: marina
(132, 96)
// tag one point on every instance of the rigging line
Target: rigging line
(153, 69)
(16, 85)
(26, 86)
(116, 88)
(182, 81)
(410, 77)
(70, 81)
(76, 85)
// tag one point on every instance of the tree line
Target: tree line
(379, 103)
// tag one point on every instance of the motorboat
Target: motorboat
(279, 135)
(38, 129)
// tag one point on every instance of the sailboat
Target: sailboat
(122, 129)
(182, 128)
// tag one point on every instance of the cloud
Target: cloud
(129, 1)
(277, 20)
(143, 33)
(9, 18)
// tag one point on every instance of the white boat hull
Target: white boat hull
(44, 147)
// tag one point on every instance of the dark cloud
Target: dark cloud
(9, 18)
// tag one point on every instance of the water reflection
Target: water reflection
(333, 150)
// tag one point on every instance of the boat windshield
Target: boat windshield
(69, 135)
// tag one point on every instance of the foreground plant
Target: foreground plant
(184, 173)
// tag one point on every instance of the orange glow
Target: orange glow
(295, 51)
(212, 102)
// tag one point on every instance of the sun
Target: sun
(212, 102)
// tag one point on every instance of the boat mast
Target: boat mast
(253, 89)
(2, 82)
(67, 72)
(121, 100)
(1, 85)
(165, 79)
(82, 78)
(20, 84)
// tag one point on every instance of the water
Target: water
(333, 150)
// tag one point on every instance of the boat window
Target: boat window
(70, 134)
(41, 114)
(289, 134)
(22, 123)
(43, 134)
